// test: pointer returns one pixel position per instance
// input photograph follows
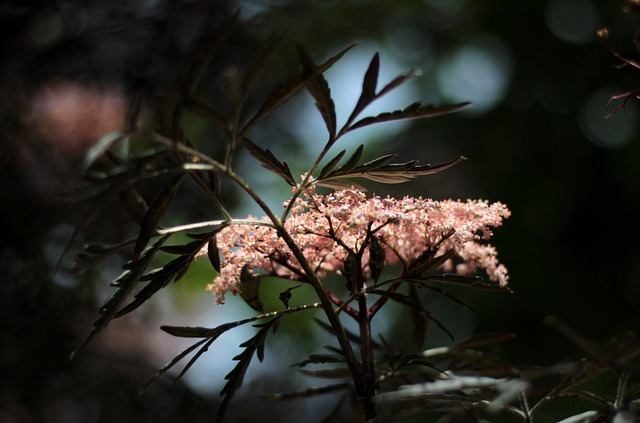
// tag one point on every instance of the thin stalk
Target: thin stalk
(315, 282)
(366, 353)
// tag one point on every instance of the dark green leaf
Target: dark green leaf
(269, 161)
(319, 90)
(236, 376)
(413, 111)
(250, 289)
(156, 211)
(124, 285)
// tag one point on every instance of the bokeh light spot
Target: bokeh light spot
(479, 71)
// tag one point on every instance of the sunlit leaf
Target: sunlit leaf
(332, 164)
(413, 111)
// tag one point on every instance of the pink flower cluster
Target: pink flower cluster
(406, 229)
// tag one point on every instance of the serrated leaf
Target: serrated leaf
(413, 111)
(236, 376)
(158, 279)
(156, 211)
(95, 253)
(285, 91)
(332, 164)
(250, 289)
(369, 85)
(125, 284)
(351, 162)
(173, 271)
(319, 90)
(177, 359)
(269, 161)
(379, 170)
(397, 81)
(190, 248)
(339, 184)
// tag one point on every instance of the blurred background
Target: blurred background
(536, 139)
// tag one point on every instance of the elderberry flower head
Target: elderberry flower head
(325, 226)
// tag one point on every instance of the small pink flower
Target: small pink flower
(406, 229)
